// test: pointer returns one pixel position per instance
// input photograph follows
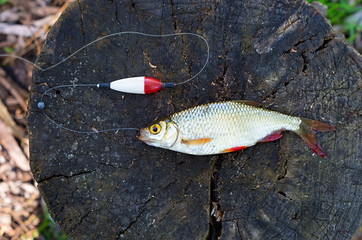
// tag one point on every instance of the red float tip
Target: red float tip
(151, 85)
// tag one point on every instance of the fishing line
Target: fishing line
(136, 85)
(118, 34)
(41, 106)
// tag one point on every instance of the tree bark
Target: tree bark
(281, 53)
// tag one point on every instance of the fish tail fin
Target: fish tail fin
(306, 131)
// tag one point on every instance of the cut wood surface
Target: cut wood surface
(282, 54)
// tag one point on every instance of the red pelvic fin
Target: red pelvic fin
(199, 141)
(306, 131)
(233, 149)
(272, 137)
(249, 102)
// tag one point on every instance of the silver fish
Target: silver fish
(227, 126)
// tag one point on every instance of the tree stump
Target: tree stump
(281, 53)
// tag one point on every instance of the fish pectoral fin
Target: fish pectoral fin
(249, 102)
(233, 149)
(271, 137)
(199, 141)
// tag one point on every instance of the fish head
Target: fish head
(163, 134)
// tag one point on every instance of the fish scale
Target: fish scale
(228, 126)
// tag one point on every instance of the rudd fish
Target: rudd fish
(227, 126)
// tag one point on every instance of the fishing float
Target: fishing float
(136, 85)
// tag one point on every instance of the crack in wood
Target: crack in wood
(324, 44)
(81, 21)
(116, 5)
(64, 176)
(107, 164)
(305, 63)
(168, 211)
(215, 224)
(283, 194)
(173, 15)
(124, 231)
(265, 45)
(116, 9)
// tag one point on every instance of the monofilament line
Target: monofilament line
(41, 105)
(118, 34)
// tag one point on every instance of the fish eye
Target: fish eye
(155, 128)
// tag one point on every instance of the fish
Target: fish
(228, 126)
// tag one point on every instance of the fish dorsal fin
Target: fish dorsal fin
(199, 141)
(249, 102)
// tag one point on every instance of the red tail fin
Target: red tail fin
(306, 131)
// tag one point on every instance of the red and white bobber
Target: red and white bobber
(137, 85)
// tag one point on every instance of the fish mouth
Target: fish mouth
(142, 137)
(145, 139)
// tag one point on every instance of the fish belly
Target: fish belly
(230, 125)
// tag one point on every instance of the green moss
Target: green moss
(8, 49)
(339, 13)
(49, 230)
